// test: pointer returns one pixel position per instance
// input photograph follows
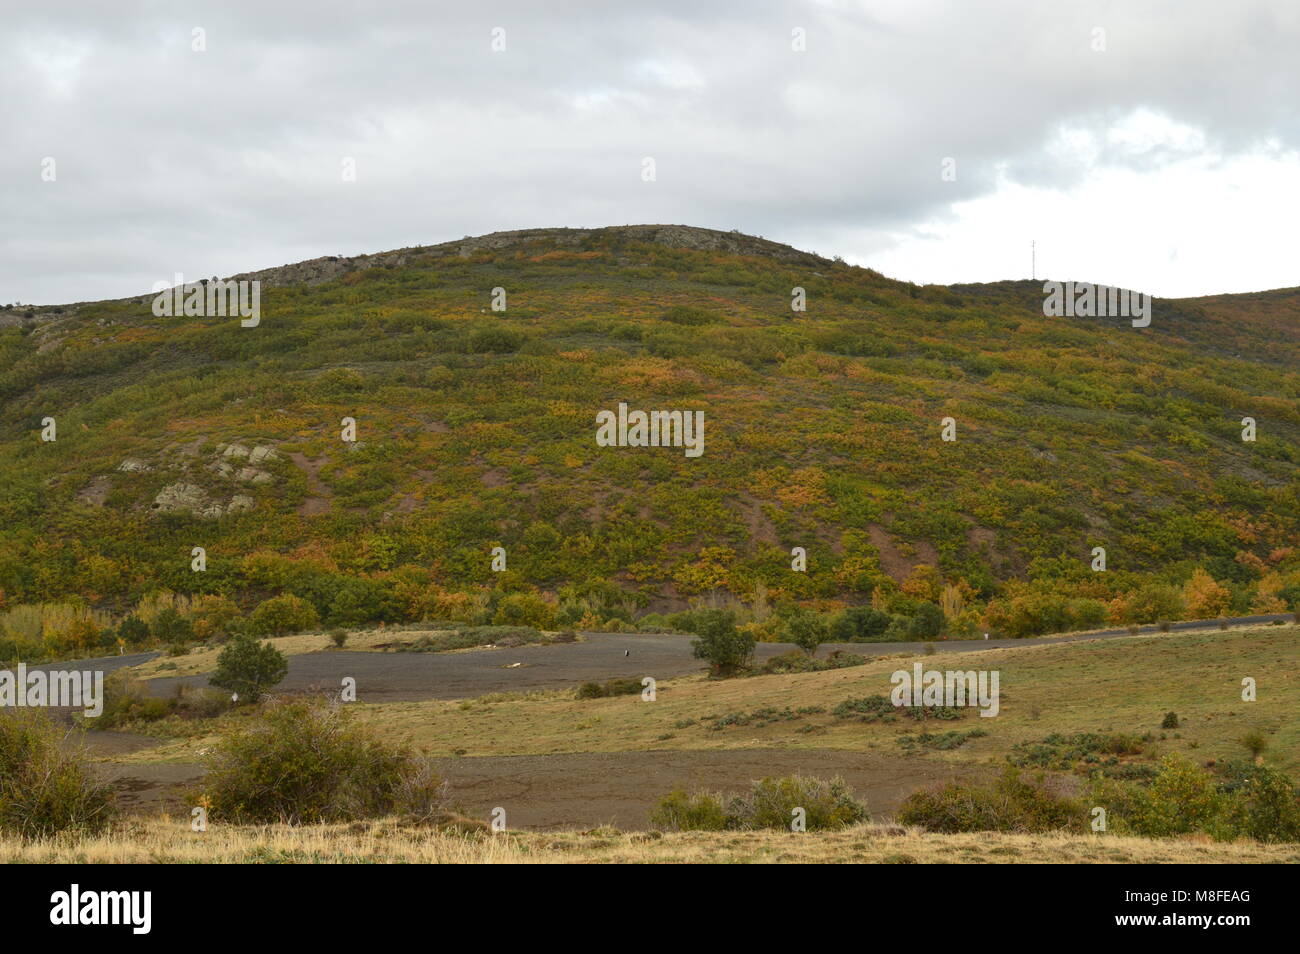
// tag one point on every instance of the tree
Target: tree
(1205, 597)
(859, 623)
(246, 667)
(171, 628)
(281, 615)
(133, 631)
(805, 629)
(927, 623)
(213, 616)
(724, 647)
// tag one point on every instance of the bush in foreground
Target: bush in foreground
(304, 763)
(770, 803)
(1011, 804)
(1256, 801)
(44, 788)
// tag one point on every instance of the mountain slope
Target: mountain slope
(477, 429)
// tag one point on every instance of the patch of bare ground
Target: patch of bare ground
(321, 498)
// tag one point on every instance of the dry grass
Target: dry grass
(164, 841)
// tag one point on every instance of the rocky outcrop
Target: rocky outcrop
(183, 497)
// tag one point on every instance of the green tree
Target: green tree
(927, 623)
(172, 629)
(247, 667)
(133, 631)
(859, 623)
(805, 629)
(724, 647)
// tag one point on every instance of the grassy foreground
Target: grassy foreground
(162, 841)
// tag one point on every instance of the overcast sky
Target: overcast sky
(1146, 144)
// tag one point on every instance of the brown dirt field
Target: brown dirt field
(568, 791)
(621, 788)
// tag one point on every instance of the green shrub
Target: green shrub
(304, 763)
(1255, 742)
(1170, 721)
(1250, 801)
(684, 315)
(1182, 798)
(679, 811)
(495, 341)
(612, 687)
(1262, 803)
(247, 667)
(338, 637)
(724, 647)
(769, 803)
(127, 700)
(1011, 804)
(44, 787)
(799, 661)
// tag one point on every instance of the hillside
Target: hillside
(476, 429)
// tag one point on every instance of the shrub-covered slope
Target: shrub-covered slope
(477, 428)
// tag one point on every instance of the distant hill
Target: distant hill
(476, 429)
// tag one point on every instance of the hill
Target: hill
(476, 429)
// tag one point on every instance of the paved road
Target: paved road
(393, 677)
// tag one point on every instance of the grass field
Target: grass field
(1118, 685)
(172, 842)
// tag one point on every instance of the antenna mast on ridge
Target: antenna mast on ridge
(1033, 260)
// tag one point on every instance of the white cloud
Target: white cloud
(1184, 130)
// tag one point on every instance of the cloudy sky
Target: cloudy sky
(1147, 144)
